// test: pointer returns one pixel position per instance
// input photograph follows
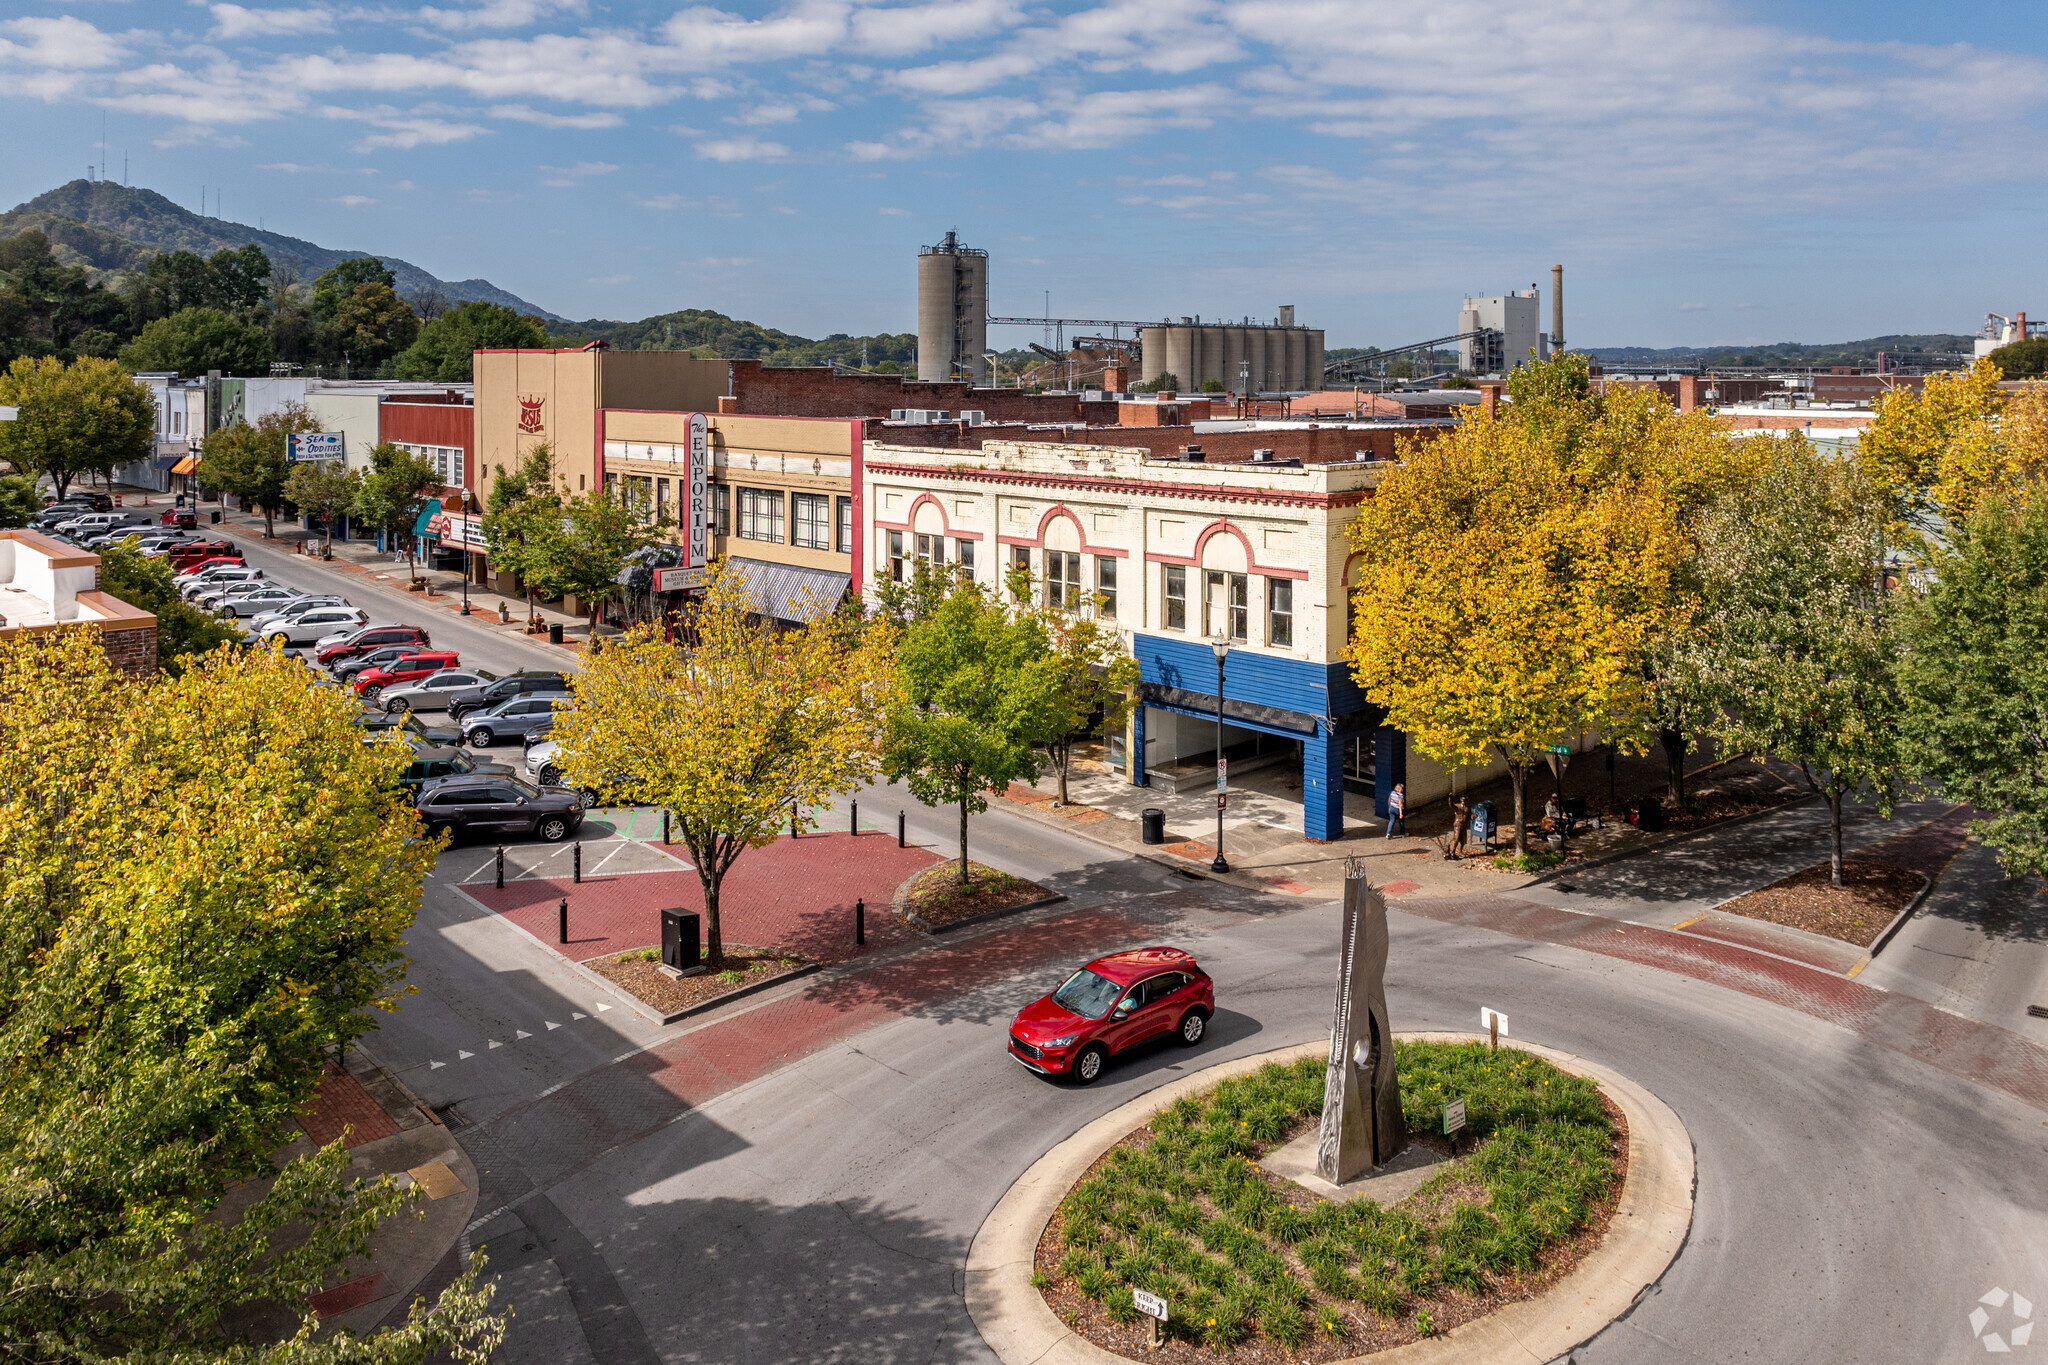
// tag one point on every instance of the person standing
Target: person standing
(1397, 811)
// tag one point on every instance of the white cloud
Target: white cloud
(64, 44)
(236, 21)
(741, 149)
(406, 129)
(500, 14)
(564, 177)
(353, 201)
(1692, 308)
(522, 114)
(660, 201)
(894, 213)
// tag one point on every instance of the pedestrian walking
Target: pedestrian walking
(1397, 811)
(1461, 825)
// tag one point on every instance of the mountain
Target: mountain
(111, 227)
(1939, 347)
(698, 329)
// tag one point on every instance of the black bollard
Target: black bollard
(792, 822)
(899, 829)
(576, 862)
(501, 867)
(563, 912)
(853, 822)
(860, 921)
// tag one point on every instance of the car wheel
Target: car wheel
(1192, 1026)
(552, 828)
(589, 798)
(394, 706)
(1089, 1064)
(482, 738)
(372, 692)
(281, 640)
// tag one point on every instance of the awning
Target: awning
(787, 592)
(169, 461)
(422, 525)
(186, 465)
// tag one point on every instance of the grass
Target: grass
(1190, 1216)
(1536, 860)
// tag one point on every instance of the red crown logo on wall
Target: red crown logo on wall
(530, 420)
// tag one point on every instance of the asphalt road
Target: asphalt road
(1853, 1203)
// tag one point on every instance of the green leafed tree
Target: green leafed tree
(969, 703)
(19, 499)
(75, 419)
(327, 489)
(599, 529)
(1798, 645)
(391, 493)
(206, 885)
(2022, 359)
(183, 631)
(249, 461)
(523, 520)
(1973, 678)
(194, 340)
(341, 279)
(1086, 685)
(444, 351)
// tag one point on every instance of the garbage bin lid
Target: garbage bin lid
(1154, 810)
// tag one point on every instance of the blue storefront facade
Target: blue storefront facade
(1317, 706)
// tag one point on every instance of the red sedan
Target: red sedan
(1110, 1006)
(407, 668)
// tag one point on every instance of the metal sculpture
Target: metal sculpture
(1362, 1124)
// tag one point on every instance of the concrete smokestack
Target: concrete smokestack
(1556, 310)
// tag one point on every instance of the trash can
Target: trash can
(680, 942)
(1483, 825)
(554, 632)
(1649, 814)
(1154, 821)
(214, 516)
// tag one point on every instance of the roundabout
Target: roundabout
(1648, 1226)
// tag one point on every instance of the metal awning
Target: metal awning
(423, 524)
(186, 465)
(169, 461)
(789, 593)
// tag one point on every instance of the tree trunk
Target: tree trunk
(1518, 775)
(709, 876)
(1060, 753)
(1834, 800)
(1677, 744)
(269, 526)
(963, 841)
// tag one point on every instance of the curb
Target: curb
(706, 1006)
(1242, 880)
(1566, 869)
(1652, 1219)
(1891, 931)
(900, 909)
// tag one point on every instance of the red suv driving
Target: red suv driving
(1110, 1006)
(371, 682)
(373, 637)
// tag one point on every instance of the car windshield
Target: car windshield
(1086, 994)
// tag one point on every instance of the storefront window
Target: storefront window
(812, 515)
(761, 515)
(721, 510)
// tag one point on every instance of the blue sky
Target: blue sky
(1706, 171)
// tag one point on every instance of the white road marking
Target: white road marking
(462, 1056)
(524, 1034)
(553, 1024)
(435, 1066)
(495, 1043)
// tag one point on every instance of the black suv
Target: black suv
(430, 762)
(520, 684)
(496, 804)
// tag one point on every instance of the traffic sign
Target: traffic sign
(1222, 801)
(1222, 773)
(1151, 1305)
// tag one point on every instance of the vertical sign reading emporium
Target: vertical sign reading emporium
(700, 490)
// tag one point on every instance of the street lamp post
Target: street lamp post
(1221, 644)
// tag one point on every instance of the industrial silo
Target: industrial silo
(952, 312)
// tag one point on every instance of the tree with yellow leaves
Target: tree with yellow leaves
(1516, 576)
(1903, 451)
(205, 882)
(736, 738)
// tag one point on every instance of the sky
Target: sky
(1706, 171)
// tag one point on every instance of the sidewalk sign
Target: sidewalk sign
(1153, 1307)
(1454, 1115)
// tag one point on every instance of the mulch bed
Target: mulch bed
(646, 981)
(1870, 897)
(1370, 1332)
(938, 899)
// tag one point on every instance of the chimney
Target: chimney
(2019, 326)
(1489, 401)
(1688, 392)
(1556, 309)
(1115, 378)
(728, 404)
(1192, 454)
(1286, 315)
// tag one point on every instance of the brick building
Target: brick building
(46, 585)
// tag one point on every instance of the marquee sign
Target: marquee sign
(700, 490)
(315, 445)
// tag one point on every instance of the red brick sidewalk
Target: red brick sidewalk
(341, 1104)
(796, 894)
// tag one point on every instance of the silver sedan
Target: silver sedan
(432, 693)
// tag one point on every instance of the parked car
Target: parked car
(294, 609)
(89, 523)
(433, 693)
(493, 805)
(433, 761)
(310, 626)
(345, 670)
(83, 498)
(216, 576)
(181, 516)
(526, 718)
(406, 726)
(543, 766)
(266, 598)
(212, 596)
(410, 667)
(180, 567)
(339, 645)
(201, 549)
(1110, 1006)
(521, 684)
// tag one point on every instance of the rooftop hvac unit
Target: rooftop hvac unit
(897, 414)
(974, 417)
(1262, 455)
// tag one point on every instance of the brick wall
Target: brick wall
(1310, 445)
(819, 392)
(133, 650)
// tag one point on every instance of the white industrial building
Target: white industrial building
(1512, 327)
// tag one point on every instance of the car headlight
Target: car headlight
(1068, 1041)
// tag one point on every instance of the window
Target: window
(896, 561)
(639, 493)
(1228, 609)
(761, 515)
(1105, 586)
(1020, 563)
(1063, 580)
(661, 497)
(812, 513)
(963, 555)
(1176, 597)
(932, 550)
(721, 510)
(846, 526)
(1280, 613)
